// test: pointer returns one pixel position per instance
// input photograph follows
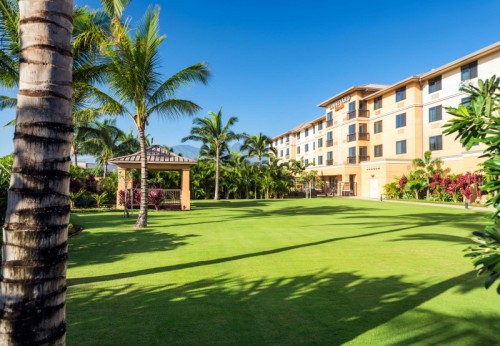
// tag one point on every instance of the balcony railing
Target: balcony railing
(329, 162)
(359, 113)
(364, 158)
(329, 123)
(351, 159)
(362, 136)
(329, 143)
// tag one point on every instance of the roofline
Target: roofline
(472, 56)
(345, 92)
(393, 86)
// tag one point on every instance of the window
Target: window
(276, 143)
(378, 102)
(320, 160)
(306, 132)
(352, 129)
(469, 71)
(329, 136)
(435, 113)
(329, 158)
(287, 138)
(400, 120)
(314, 129)
(401, 94)
(281, 140)
(314, 145)
(320, 126)
(434, 84)
(306, 148)
(298, 135)
(306, 162)
(320, 142)
(465, 101)
(436, 143)
(287, 151)
(281, 153)
(377, 150)
(377, 126)
(329, 116)
(401, 147)
(298, 149)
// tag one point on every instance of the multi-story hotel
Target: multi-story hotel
(371, 133)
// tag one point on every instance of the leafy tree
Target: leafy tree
(259, 146)
(479, 122)
(134, 76)
(215, 137)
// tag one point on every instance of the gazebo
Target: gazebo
(158, 159)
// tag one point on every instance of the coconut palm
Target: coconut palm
(103, 140)
(215, 136)
(33, 271)
(134, 76)
(258, 145)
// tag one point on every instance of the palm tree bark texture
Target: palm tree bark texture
(33, 274)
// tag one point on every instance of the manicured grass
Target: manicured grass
(280, 272)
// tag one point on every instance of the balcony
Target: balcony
(329, 162)
(364, 158)
(360, 113)
(351, 159)
(362, 136)
(329, 123)
(329, 143)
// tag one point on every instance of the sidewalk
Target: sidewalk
(474, 208)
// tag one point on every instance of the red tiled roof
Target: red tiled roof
(155, 153)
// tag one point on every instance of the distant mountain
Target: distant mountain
(187, 151)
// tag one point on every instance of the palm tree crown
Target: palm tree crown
(215, 136)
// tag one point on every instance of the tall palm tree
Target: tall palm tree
(103, 140)
(33, 271)
(258, 145)
(134, 76)
(215, 135)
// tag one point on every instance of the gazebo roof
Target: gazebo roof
(155, 154)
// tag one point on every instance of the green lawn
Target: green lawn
(280, 272)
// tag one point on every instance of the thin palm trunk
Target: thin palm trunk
(105, 169)
(217, 167)
(75, 157)
(34, 256)
(142, 219)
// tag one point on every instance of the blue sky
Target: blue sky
(273, 61)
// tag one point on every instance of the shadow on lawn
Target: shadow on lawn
(109, 246)
(129, 274)
(327, 309)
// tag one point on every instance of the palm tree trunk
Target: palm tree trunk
(33, 285)
(75, 157)
(142, 219)
(105, 169)
(217, 159)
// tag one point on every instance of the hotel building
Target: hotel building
(371, 133)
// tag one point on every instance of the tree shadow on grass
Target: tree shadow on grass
(110, 246)
(326, 309)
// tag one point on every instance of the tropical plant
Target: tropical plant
(74, 196)
(215, 137)
(479, 122)
(32, 302)
(99, 198)
(259, 146)
(134, 77)
(426, 168)
(103, 140)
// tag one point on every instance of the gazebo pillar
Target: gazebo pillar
(185, 190)
(122, 185)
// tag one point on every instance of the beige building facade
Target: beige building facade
(370, 134)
